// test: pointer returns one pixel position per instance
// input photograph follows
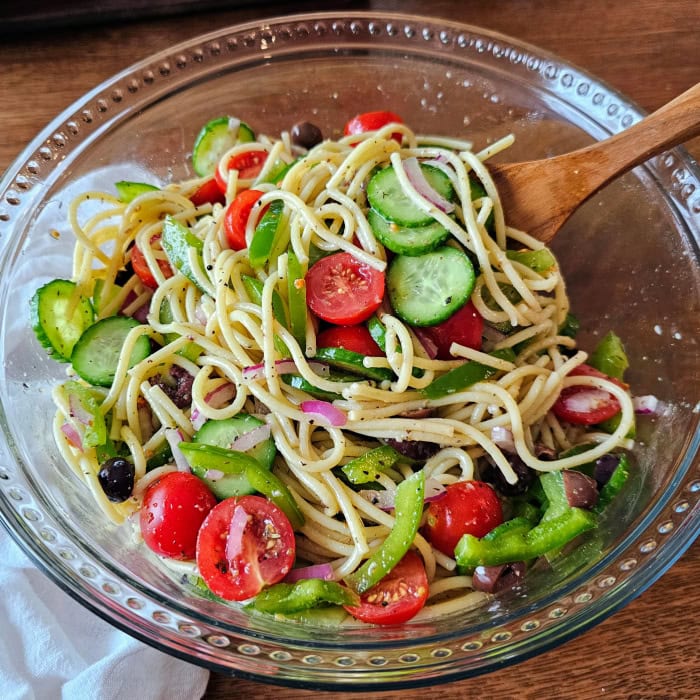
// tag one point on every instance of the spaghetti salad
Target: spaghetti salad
(327, 373)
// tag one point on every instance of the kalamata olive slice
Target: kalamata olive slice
(306, 134)
(581, 491)
(492, 579)
(492, 474)
(604, 468)
(414, 449)
(116, 477)
(546, 454)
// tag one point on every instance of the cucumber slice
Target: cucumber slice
(406, 240)
(428, 289)
(97, 352)
(350, 361)
(128, 191)
(59, 317)
(222, 433)
(214, 139)
(386, 196)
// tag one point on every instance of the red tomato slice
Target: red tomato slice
(371, 121)
(340, 289)
(355, 338)
(238, 562)
(397, 597)
(208, 193)
(465, 327)
(237, 215)
(173, 510)
(465, 507)
(249, 164)
(584, 405)
(138, 262)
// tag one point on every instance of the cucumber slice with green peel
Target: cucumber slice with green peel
(214, 139)
(223, 433)
(128, 191)
(59, 316)
(427, 289)
(386, 196)
(96, 354)
(350, 361)
(406, 240)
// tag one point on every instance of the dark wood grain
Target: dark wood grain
(649, 50)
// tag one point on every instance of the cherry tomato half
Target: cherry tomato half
(355, 338)
(173, 510)
(465, 507)
(340, 289)
(586, 405)
(237, 215)
(208, 193)
(465, 327)
(138, 262)
(371, 121)
(249, 164)
(238, 561)
(397, 597)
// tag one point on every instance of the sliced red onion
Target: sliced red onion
(503, 437)
(141, 314)
(214, 474)
(73, 435)
(492, 579)
(645, 405)
(384, 500)
(77, 410)
(197, 418)
(248, 440)
(323, 571)
(325, 410)
(216, 399)
(581, 491)
(234, 541)
(284, 367)
(415, 176)
(200, 315)
(174, 438)
(428, 344)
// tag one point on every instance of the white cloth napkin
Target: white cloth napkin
(52, 647)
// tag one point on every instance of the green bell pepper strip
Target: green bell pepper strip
(520, 541)
(614, 484)
(260, 479)
(296, 295)
(271, 236)
(538, 260)
(289, 598)
(610, 357)
(93, 433)
(465, 375)
(177, 240)
(254, 289)
(190, 351)
(570, 327)
(128, 191)
(353, 362)
(367, 467)
(408, 508)
(377, 331)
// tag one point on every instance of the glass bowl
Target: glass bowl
(630, 256)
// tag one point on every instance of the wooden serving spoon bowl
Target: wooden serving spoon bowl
(538, 196)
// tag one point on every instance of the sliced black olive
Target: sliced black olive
(116, 477)
(581, 491)
(418, 450)
(177, 384)
(306, 134)
(493, 475)
(604, 468)
(492, 579)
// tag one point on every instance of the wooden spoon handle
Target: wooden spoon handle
(670, 125)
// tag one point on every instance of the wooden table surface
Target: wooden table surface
(650, 51)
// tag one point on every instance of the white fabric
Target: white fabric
(52, 647)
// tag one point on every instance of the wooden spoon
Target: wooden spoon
(538, 196)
